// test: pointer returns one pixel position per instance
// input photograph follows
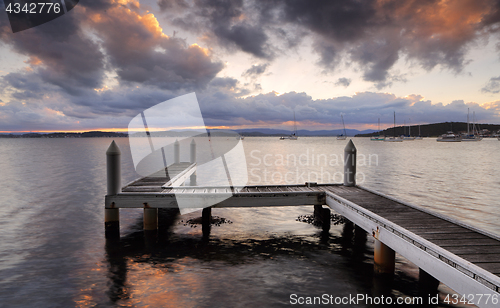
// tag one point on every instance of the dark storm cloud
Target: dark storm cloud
(70, 59)
(62, 55)
(227, 23)
(374, 34)
(493, 86)
(141, 53)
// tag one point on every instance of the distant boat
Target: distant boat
(344, 135)
(240, 137)
(394, 139)
(293, 135)
(475, 135)
(378, 137)
(419, 137)
(408, 137)
(449, 137)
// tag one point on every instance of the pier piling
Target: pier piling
(384, 258)
(150, 219)
(206, 220)
(427, 284)
(113, 174)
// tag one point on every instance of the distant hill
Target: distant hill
(431, 130)
(302, 132)
(65, 135)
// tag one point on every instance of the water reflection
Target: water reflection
(193, 270)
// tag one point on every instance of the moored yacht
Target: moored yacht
(449, 137)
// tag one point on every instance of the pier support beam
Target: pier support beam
(318, 212)
(427, 285)
(193, 160)
(150, 219)
(206, 220)
(325, 219)
(384, 258)
(113, 175)
(350, 164)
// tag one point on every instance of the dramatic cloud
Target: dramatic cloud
(90, 58)
(107, 60)
(373, 33)
(493, 86)
(271, 109)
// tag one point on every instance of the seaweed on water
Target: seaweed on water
(215, 221)
(335, 219)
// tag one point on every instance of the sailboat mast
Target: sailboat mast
(294, 124)
(343, 125)
(468, 111)
(474, 123)
(394, 124)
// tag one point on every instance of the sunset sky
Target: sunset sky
(253, 63)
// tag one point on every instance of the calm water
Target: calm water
(53, 252)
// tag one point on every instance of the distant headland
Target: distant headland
(426, 130)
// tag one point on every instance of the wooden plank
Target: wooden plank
(493, 268)
(481, 257)
(150, 183)
(446, 228)
(473, 249)
(142, 189)
(449, 236)
(465, 242)
(133, 200)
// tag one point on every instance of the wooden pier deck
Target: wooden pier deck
(174, 175)
(461, 256)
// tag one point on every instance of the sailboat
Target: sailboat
(408, 137)
(419, 137)
(344, 135)
(293, 135)
(394, 139)
(378, 137)
(475, 135)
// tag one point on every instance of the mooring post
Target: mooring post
(177, 152)
(113, 174)
(193, 160)
(350, 164)
(384, 258)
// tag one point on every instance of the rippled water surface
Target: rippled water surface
(53, 252)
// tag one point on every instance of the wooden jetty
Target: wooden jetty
(461, 256)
